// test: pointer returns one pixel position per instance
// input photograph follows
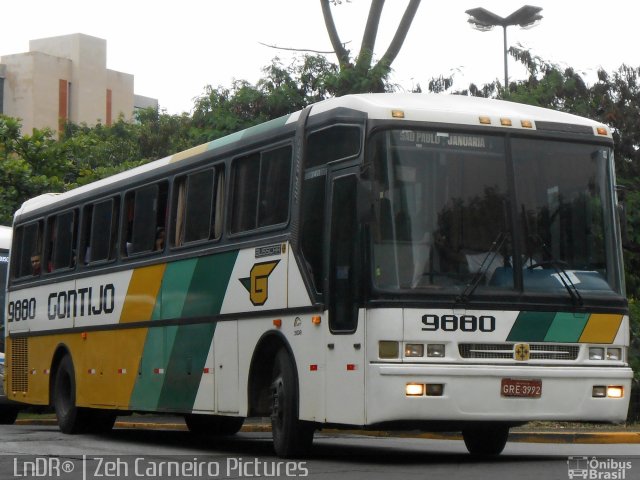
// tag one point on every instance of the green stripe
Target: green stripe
(566, 327)
(255, 130)
(209, 285)
(531, 327)
(190, 288)
(174, 289)
(184, 370)
(157, 349)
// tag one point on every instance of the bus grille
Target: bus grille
(19, 365)
(538, 351)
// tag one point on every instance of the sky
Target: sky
(175, 49)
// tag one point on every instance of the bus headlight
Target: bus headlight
(414, 350)
(603, 391)
(615, 392)
(614, 354)
(596, 353)
(435, 350)
(414, 390)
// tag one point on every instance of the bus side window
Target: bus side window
(333, 143)
(275, 181)
(312, 227)
(196, 205)
(27, 245)
(61, 241)
(144, 218)
(100, 230)
(261, 187)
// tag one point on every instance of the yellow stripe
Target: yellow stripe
(189, 153)
(601, 328)
(142, 293)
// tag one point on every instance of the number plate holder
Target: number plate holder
(521, 388)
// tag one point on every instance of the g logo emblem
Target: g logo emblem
(257, 284)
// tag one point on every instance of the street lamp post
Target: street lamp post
(484, 20)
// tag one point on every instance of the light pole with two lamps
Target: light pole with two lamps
(484, 20)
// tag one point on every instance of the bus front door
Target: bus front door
(345, 337)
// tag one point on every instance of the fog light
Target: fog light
(434, 389)
(414, 390)
(435, 350)
(596, 353)
(615, 392)
(388, 349)
(414, 350)
(614, 354)
(599, 391)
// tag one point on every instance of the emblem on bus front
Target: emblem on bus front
(521, 352)
(257, 284)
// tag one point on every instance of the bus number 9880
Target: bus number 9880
(21, 310)
(453, 323)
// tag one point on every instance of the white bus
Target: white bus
(385, 261)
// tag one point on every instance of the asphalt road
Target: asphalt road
(41, 451)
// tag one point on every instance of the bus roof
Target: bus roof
(443, 109)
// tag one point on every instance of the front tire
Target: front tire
(486, 440)
(291, 437)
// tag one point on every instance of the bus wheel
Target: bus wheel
(486, 440)
(64, 398)
(291, 436)
(8, 415)
(216, 425)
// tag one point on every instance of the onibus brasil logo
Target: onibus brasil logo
(595, 468)
(257, 284)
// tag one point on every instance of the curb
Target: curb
(514, 436)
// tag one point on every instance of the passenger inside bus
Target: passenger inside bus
(35, 264)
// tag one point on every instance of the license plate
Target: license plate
(515, 387)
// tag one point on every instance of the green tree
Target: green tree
(360, 74)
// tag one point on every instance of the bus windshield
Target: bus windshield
(451, 218)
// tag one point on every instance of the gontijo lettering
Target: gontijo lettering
(81, 302)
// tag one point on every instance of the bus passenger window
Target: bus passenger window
(145, 213)
(27, 245)
(333, 143)
(100, 227)
(61, 241)
(261, 187)
(194, 207)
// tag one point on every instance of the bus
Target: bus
(380, 261)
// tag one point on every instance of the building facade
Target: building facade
(64, 79)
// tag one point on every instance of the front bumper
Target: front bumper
(473, 393)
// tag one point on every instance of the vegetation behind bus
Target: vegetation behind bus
(40, 162)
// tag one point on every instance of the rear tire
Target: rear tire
(64, 398)
(216, 425)
(486, 440)
(8, 415)
(72, 419)
(291, 437)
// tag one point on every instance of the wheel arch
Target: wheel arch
(260, 371)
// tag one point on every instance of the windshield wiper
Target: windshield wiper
(566, 281)
(496, 245)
